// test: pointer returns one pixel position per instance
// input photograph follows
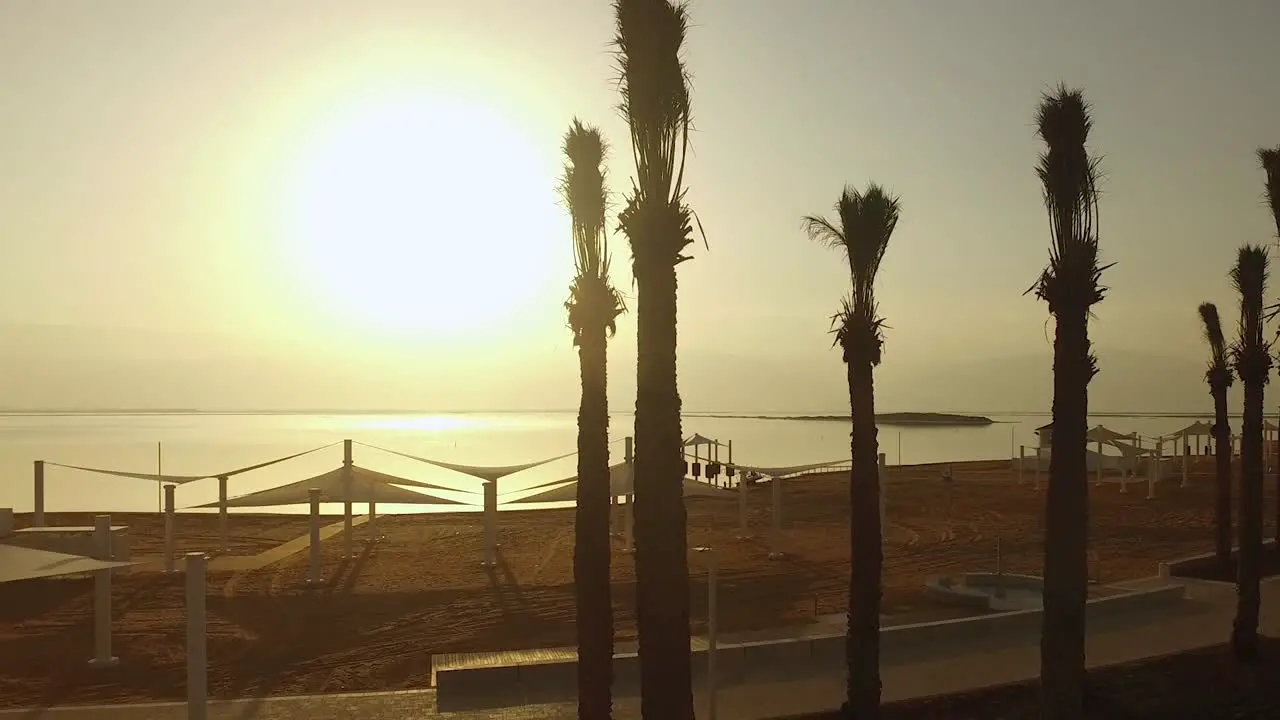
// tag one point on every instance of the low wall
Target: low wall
(503, 678)
(1197, 564)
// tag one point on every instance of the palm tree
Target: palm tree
(1071, 285)
(593, 307)
(1269, 158)
(1252, 357)
(654, 88)
(866, 222)
(1219, 378)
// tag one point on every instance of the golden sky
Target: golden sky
(364, 193)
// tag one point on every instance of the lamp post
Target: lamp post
(712, 630)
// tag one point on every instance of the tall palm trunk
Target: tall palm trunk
(1071, 286)
(862, 641)
(591, 535)
(1269, 159)
(1219, 378)
(653, 86)
(1222, 463)
(867, 222)
(1066, 571)
(661, 558)
(593, 307)
(1253, 365)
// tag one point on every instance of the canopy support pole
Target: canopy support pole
(102, 657)
(490, 524)
(168, 529)
(775, 536)
(347, 549)
(37, 519)
(313, 547)
(222, 514)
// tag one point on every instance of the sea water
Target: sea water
(199, 443)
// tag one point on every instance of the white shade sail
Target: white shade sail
(488, 474)
(366, 486)
(20, 563)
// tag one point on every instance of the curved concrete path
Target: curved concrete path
(997, 661)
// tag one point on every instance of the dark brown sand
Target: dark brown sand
(422, 590)
(1205, 684)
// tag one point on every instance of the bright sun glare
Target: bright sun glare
(425, 216)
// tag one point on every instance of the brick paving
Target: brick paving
(1206, 621)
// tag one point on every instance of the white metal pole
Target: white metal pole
(373, 510)
(900, 463)
(628, 514)
(222, 514)
(1186, 460)
(102, 657)
(197, 652)
(347, 549)
(1022, 452)
(713, 613)
(1153, 470)
(37, 519)
(490, 523)
(168, 529)
(313, 576)
(1098, 482)
(629, 520)
(882, 470)
(775, 535)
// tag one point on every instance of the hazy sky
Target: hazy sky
(322, 203)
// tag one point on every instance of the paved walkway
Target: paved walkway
(1206, 621)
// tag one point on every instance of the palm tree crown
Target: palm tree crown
(654, 87)
(1269, 158)
(867, 221)
(1219, 373)
(593, 301)
(1251, 352)
(1069, 177)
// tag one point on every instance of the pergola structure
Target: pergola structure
(700, 465)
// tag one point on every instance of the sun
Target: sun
(427, 216)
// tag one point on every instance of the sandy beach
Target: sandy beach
(422, 590)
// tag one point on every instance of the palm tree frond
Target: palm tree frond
(1069, 177)
(593, 301)
(654, 88)
(1219, 372)
(1251, 353)
(867, 220)
(1269, 159)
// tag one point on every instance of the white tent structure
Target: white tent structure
(366, 486)
(20, 563)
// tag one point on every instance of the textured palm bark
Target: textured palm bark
(661, 557)
(1062, 669)
(1244, 631)
(862, 641)
(591, 534)
(1222, 461)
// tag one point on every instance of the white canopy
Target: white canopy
(699, 440)
(1197, 428)
(19, 563)
(621, 482)
(366, 486)
(790, 469)
(488, 474)
(1106, 435)
(183, 479)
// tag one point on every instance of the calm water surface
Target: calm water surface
(206, 443)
